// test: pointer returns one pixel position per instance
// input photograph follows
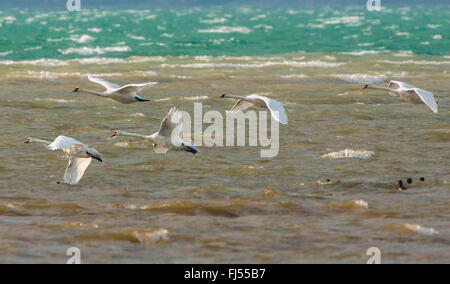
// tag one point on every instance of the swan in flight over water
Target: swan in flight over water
(409, 93)
(276, 108)
(125, 95)
(79, 154)
(163, 140)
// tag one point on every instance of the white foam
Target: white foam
(196, 98)
(413, 62)
(180, 77)
(214, 21)
(46, 75)
(95, 30)
(298, 64)
(361, 203)
(162, 100)
(430, 26)
(39, 62)
(421, 230)
(60, 101)
(258, 17)
(361, 78)
(266, 27)
(99, 60)
(294, 76)
(55, 39)
(82, 39)
(348, 153)
(437, 37)
(6, 53)
(362, 52)
(94, 50)
(136, 37)
(350, 21)
(33, 48)
(9, 19)
(146, 73)
(226, 30)
(161, 235)
(404, 53)
(405, 34)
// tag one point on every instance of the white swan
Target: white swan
(164, 140)
(409, 93)
(79, 154)
(276, 108)
(126, 94)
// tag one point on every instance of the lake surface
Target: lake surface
(226, 204)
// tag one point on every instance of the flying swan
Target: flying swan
(409, 93)
(79, 154)
(164, 140)
(276, 108)
(125, 95)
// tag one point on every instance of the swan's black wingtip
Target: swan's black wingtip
(141, 99)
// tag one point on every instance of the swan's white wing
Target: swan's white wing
(393, 94)
(275, 107)
(240, 106)
(134, 88)
(75, 170)
(170, 122)
(400, 85)
(160, 149)
(108, 85)
(427, 98)
(62, 142)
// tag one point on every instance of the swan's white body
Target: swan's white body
(125, 95)
(410, 94)
(164, 140)
(276, 108)
(79, 154)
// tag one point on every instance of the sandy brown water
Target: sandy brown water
(226, 204)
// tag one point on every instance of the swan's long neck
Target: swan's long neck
(93, 93)
(41, 141)
(239, 98)
(129, 134)
(384, 88)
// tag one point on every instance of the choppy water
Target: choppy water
(226, 204)
(58, 34)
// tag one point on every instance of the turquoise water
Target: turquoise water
(31, 35)
(226, 204)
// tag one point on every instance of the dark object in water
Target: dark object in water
(422, 179)
(409, 181)
(400, 186)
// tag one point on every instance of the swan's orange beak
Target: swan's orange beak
(366, 87)
(76, 90)
(113, 134)
(27, 141)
